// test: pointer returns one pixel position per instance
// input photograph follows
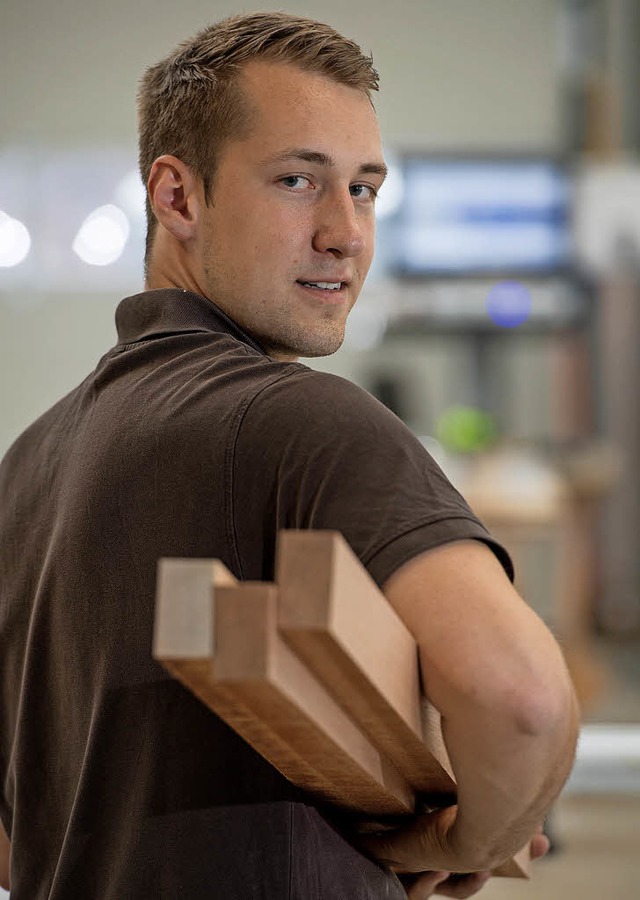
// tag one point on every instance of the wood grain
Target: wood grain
(336, 619)
(219, 638)
(255, 666)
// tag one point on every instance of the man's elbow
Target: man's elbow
(547, 707)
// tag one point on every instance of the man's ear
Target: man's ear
(174, 194)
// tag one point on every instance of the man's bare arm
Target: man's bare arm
(5, 854)
(509, 713)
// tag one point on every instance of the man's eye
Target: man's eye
(295, 181)
(363, 192)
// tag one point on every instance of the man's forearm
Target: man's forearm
(509, 715)
(511, 757)
(509, 768)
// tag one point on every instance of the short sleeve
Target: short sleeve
(314, 451)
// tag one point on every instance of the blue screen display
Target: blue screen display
(480, 216)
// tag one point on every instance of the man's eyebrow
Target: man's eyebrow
(322, 159)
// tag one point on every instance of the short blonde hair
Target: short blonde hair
(191, 102)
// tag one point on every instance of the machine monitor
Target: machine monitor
(474, 217)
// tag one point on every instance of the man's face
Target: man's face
(288, 240)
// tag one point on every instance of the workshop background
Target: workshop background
(500, 319)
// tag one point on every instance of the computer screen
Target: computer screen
(472, 216)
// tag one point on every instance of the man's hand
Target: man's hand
(424, 843)
(446, 885)
(420, 887)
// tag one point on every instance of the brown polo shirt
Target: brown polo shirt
(186, 440)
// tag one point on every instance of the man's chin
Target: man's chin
(325, 348)
(305, 348)
(316, 354)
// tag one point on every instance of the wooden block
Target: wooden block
(326, 752)
(519, 866)
(431, 731)
(336, 619)
(229, 655)
(184, 642)
(183, 638)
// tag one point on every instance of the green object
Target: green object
(466, 429)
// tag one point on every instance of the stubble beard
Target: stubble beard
(282, 337)
(274, 326)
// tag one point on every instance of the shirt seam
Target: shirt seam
(159, 335)
(427, 520)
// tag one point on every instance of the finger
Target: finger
(462, 886)
(424, 886)
(416, 846)
(539, 846)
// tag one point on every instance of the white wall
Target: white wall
(469, 72)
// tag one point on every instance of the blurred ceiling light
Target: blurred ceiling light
(131, 195)
(15, 241)
(102, 236)
(390, 194)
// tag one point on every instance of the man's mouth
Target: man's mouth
(323, 285)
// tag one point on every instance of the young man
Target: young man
(200, 435)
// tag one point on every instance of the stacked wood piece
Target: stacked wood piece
(316, 672)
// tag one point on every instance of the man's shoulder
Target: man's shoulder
(303, 405)
(36, 436)
(314, 392)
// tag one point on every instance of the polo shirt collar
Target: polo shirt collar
(170, 311)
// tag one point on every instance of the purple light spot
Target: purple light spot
(509, 304)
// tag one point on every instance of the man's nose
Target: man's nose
(339, 226)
